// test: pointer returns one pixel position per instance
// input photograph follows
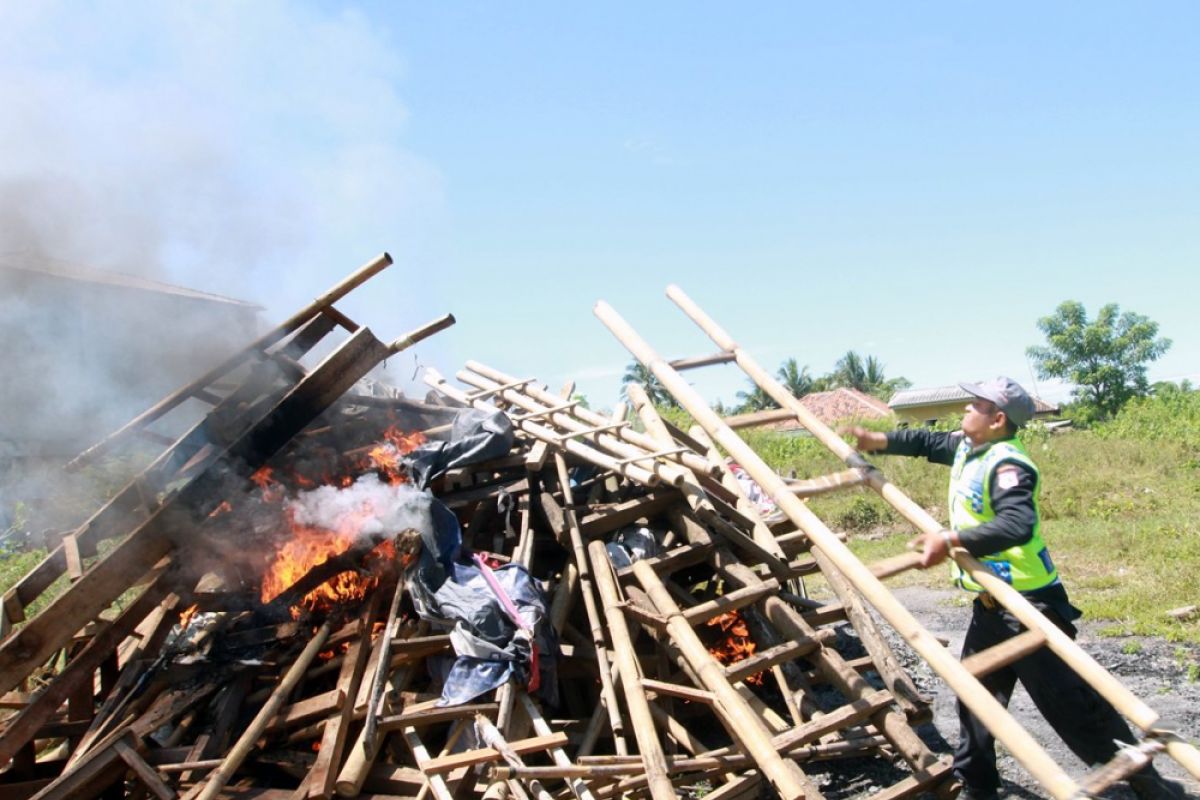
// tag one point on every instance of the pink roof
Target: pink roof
(837, 405)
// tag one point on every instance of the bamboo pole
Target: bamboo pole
(974, 696)
(644, 729)
(595, 621)
(221, 775)
(691, 460)
(736, 714)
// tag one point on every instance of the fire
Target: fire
(385, 456)
(736, 645)
(186, 617)
(271, 491)
(308, 547)
(224, 508)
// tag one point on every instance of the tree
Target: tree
(866, 375)
(755, 400)
(637, 372)
(795, 379)
(1106, 358)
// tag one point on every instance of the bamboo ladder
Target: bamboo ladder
(963, 678)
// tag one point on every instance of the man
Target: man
(993, 506)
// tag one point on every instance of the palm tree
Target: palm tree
(755, 400)
(866, 375)
(795, 379)
(637, 372)
(850, 371)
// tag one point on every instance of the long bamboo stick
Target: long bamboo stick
(974, 696)
(642, 440)
(743, 724)
(221, 775)
(644, 729)
(1066, 648)
(595, 620)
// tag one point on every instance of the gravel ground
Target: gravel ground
(1154, 669)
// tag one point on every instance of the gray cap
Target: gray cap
(1008, 396)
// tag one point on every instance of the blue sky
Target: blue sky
(918, 182)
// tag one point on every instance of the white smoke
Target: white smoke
(369, 508)
(249, 149)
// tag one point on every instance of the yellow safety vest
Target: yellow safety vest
(1025, 567)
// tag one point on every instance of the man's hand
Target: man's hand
(934, 549)
(865, 441)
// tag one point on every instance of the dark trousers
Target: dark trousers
(1086, 722)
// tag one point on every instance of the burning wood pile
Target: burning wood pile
(501, 593)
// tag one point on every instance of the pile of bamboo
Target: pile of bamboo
(108, 692)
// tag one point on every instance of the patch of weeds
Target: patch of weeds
(1132, 647)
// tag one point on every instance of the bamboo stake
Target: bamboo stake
(635, 698)
(542, 728)
(669, 472)
(974, 696)
(491, 736)
(221, 775)
(743, 724)
(579, 554)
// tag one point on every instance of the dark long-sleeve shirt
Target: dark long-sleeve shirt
(1012, 497)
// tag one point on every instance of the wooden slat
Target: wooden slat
(444, 764)
(999, 656)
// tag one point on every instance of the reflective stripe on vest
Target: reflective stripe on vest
(1025, 567)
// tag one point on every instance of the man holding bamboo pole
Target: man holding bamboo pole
(993, 506)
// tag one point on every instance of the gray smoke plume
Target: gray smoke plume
(246, 150)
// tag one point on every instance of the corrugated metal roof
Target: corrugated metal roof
(910, 398)
(925, 397)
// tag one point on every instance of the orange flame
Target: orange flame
(271, 491)
(186, 617)
(737, 644)
(309, 547)
(385, 456)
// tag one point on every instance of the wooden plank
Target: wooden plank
(440, 765)
(615, 517)
(731, 601)
(428, 714)
(689, 693)
(919, 783)
(780, 654)
(146, 774)
(999, 656)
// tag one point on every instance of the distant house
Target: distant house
(927, 406)
(832, 407)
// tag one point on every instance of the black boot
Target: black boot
(1148, 784)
